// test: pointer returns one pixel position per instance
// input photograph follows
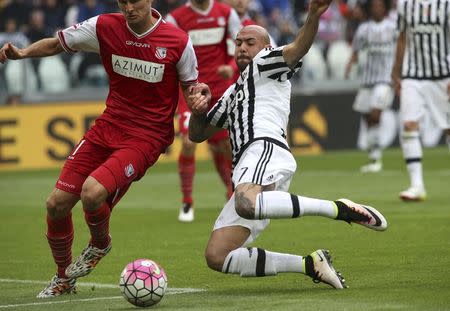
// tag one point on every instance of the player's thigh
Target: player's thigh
(229, 218)
(438, 102)
(382, 97)
(263, 163)
(81, 162)
(412, 101)
(122, 168)
(220, 141)
(362, 100)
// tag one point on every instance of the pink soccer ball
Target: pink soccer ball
(143, 282)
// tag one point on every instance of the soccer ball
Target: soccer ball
(143, 282)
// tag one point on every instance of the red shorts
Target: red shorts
(183, 121)
(115, 161)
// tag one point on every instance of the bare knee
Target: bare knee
(93, 194)
(410, 126)
(245, 198)
(215, 258)
(60, 203)
(187, 146)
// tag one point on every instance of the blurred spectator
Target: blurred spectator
(18, 10)
(11, 34)
(54, 15)
(71, 17)
(89, 8)
(331, 27)
(37, 29)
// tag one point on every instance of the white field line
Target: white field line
(170, 291)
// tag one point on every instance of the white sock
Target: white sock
(412, 153)
(259, 262)
(373, 142)
(279, 204)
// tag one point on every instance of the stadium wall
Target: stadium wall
(36, 136)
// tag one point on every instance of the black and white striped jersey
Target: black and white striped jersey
(378, 41)
(426, 24)
(257, 106)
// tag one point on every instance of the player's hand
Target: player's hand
(318, 7)
(225, 71)
(9, 51)
(198, 101)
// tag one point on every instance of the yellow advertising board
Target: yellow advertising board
(42, 135)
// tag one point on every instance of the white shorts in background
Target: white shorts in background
(419, 96)
(262, 163)
(379, 97)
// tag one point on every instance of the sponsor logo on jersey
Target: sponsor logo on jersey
(160, 52)
(137, 44)
(137, 69)
(208, 36)
(129, 170)
(221, 21)
(205, 20)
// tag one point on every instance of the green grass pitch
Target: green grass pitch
(405, 268)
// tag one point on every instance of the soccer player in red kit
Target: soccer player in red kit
(208, 24)
(146, 60)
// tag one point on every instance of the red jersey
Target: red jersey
(144, 71)
(208, 31)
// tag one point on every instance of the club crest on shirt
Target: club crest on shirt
(129, 170)
(160, 52)
(221, 21)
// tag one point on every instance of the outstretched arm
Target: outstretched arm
(41, 48)
(294, 51)
(396, 74)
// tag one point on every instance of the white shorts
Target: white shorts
(418, 96)
(262, 163)
(379, 97)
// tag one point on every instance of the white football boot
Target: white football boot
(186, 213)
(372, 167)
(319, 267)
(363, 215)
(413, 194)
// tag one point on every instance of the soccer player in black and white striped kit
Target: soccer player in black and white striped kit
(255, 110)
(375, 37)
(421, 75)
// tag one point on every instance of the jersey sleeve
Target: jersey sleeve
(187, 65)
(80, 37)
(234, 24)
(218, 115)
(360, 38)
(271, 64)
(401, 17)
(169, 18)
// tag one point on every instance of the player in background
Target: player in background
(421, 76)
(241, 8)
(146, 59)
(256, 112)
(375, 37)
(208, 24)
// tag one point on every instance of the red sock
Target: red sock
(223, 167)
(186, 170)
(60, 237)
(98, 222)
